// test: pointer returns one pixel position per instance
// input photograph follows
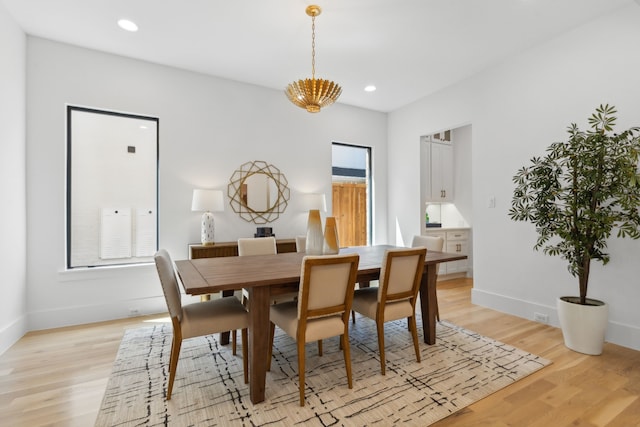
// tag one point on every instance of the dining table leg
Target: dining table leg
(258, 341)
(224, 336)
(428, 302)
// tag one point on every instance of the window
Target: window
(112, 188)
(351, 198)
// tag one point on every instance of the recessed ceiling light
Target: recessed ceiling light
(370, 88)
(125, 24)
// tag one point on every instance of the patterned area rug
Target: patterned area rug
(462, 368)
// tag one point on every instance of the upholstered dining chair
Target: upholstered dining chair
(395, 297)
(250, 246)
(322, 309)
(262, 246)
(198, 319)
(432, 243)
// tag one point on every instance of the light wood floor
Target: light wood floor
(57, 377)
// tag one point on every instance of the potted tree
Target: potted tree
(575, 196)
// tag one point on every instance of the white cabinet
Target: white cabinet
(436, 170)
(456, 240)
(441, 172)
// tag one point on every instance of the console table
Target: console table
(221, 249)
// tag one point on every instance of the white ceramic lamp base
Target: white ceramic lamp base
(207, 230)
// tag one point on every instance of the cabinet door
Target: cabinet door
(457, 247)
(441, 172)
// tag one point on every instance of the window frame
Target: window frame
(70, 110)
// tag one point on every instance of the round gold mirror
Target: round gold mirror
(258, 192)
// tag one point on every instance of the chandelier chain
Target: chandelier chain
(312, 94)
(313, 47)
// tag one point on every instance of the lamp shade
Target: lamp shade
(315, 201)
(207, 201)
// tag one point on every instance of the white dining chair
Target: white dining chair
(432, 243)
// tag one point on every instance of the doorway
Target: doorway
(351, 194)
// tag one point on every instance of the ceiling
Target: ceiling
(406, 48)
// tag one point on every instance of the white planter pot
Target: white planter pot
(583, 326)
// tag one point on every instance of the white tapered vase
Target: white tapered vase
(315, 238)
(331, 243)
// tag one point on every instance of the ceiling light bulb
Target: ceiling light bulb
(370, 88)
(125, 24)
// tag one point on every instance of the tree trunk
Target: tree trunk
(583, 278)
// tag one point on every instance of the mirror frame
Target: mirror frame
(234, 191)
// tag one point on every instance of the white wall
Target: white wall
(208, 128)
(516, 110)
(13, 239)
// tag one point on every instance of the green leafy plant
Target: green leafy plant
(580, 191)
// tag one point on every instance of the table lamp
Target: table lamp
(207, 201)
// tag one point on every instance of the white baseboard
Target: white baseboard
(69, 316)
(617, 333)
(11, 333)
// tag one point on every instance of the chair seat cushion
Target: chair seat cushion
(365, 302)
(210, 317)
(285, 315)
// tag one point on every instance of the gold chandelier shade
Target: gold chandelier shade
(313, 94)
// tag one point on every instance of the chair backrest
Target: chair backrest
(257, 246)
(301, 243)
(432, 243)
(169, 283)
(400, 274)
(326, 286)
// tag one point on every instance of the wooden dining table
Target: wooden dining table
(266, 275)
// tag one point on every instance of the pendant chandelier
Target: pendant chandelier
(313, 94)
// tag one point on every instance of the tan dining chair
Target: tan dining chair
(322, 309)
(198, 319)
(301, 243)
(395, 297)
(432, 243)
(251, 246)
(262, 246)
